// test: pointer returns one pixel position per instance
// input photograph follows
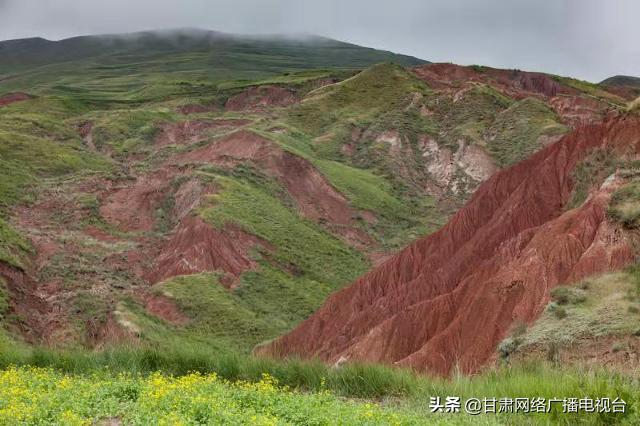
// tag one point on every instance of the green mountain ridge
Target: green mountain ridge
(621, 80)
(123, 64)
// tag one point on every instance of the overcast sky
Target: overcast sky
(589, 39)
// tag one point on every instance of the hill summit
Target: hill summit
(206, 47)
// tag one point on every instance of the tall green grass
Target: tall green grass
(13, 246)
(395, 387)
(364, 381)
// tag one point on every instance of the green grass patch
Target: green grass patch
(303, 81)
(298, 242)
(126, 131)
(364, 189)
(592, 308)
(216, 314)
(217, 319)
(515, 133)
(13, 246)
(370, 93)
(590, 173)
(469, 116)
(36, 145)
(591, 89)
(25, 158)
(624, 206)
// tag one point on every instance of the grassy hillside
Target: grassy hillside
(591, 89)
(157, 65)
(13, 247)
(48, 157)
(36, 143)
(93, 128)
(625, 205)
(313, 50)
(359, 99)
(469, 116)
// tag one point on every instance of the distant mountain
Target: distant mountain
(622, 80)
(282, 51)
(623, 85)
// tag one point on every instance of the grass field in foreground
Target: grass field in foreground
(39, 396)
(200, 387)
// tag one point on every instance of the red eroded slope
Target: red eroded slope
(132, 206)
(574, 107)
(10, 98)
(196, 247)
(515, 83)
(313, 194)
(193, 131)
(261, 97)
(449, 298)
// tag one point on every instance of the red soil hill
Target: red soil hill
(448, 299)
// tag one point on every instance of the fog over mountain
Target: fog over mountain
(589, 39)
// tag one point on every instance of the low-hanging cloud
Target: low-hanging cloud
(590, 39)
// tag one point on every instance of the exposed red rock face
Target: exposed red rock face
(532, 82)
(441, 76)
(577, 111)
(449, 298)
(197, 247)
(261, 97)
(516, 83)
(28, 301)
(84, 129)
(10, 98)
(164, 308)
(574, 108)
(132, 207)
(195, 109)
(193, 131)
